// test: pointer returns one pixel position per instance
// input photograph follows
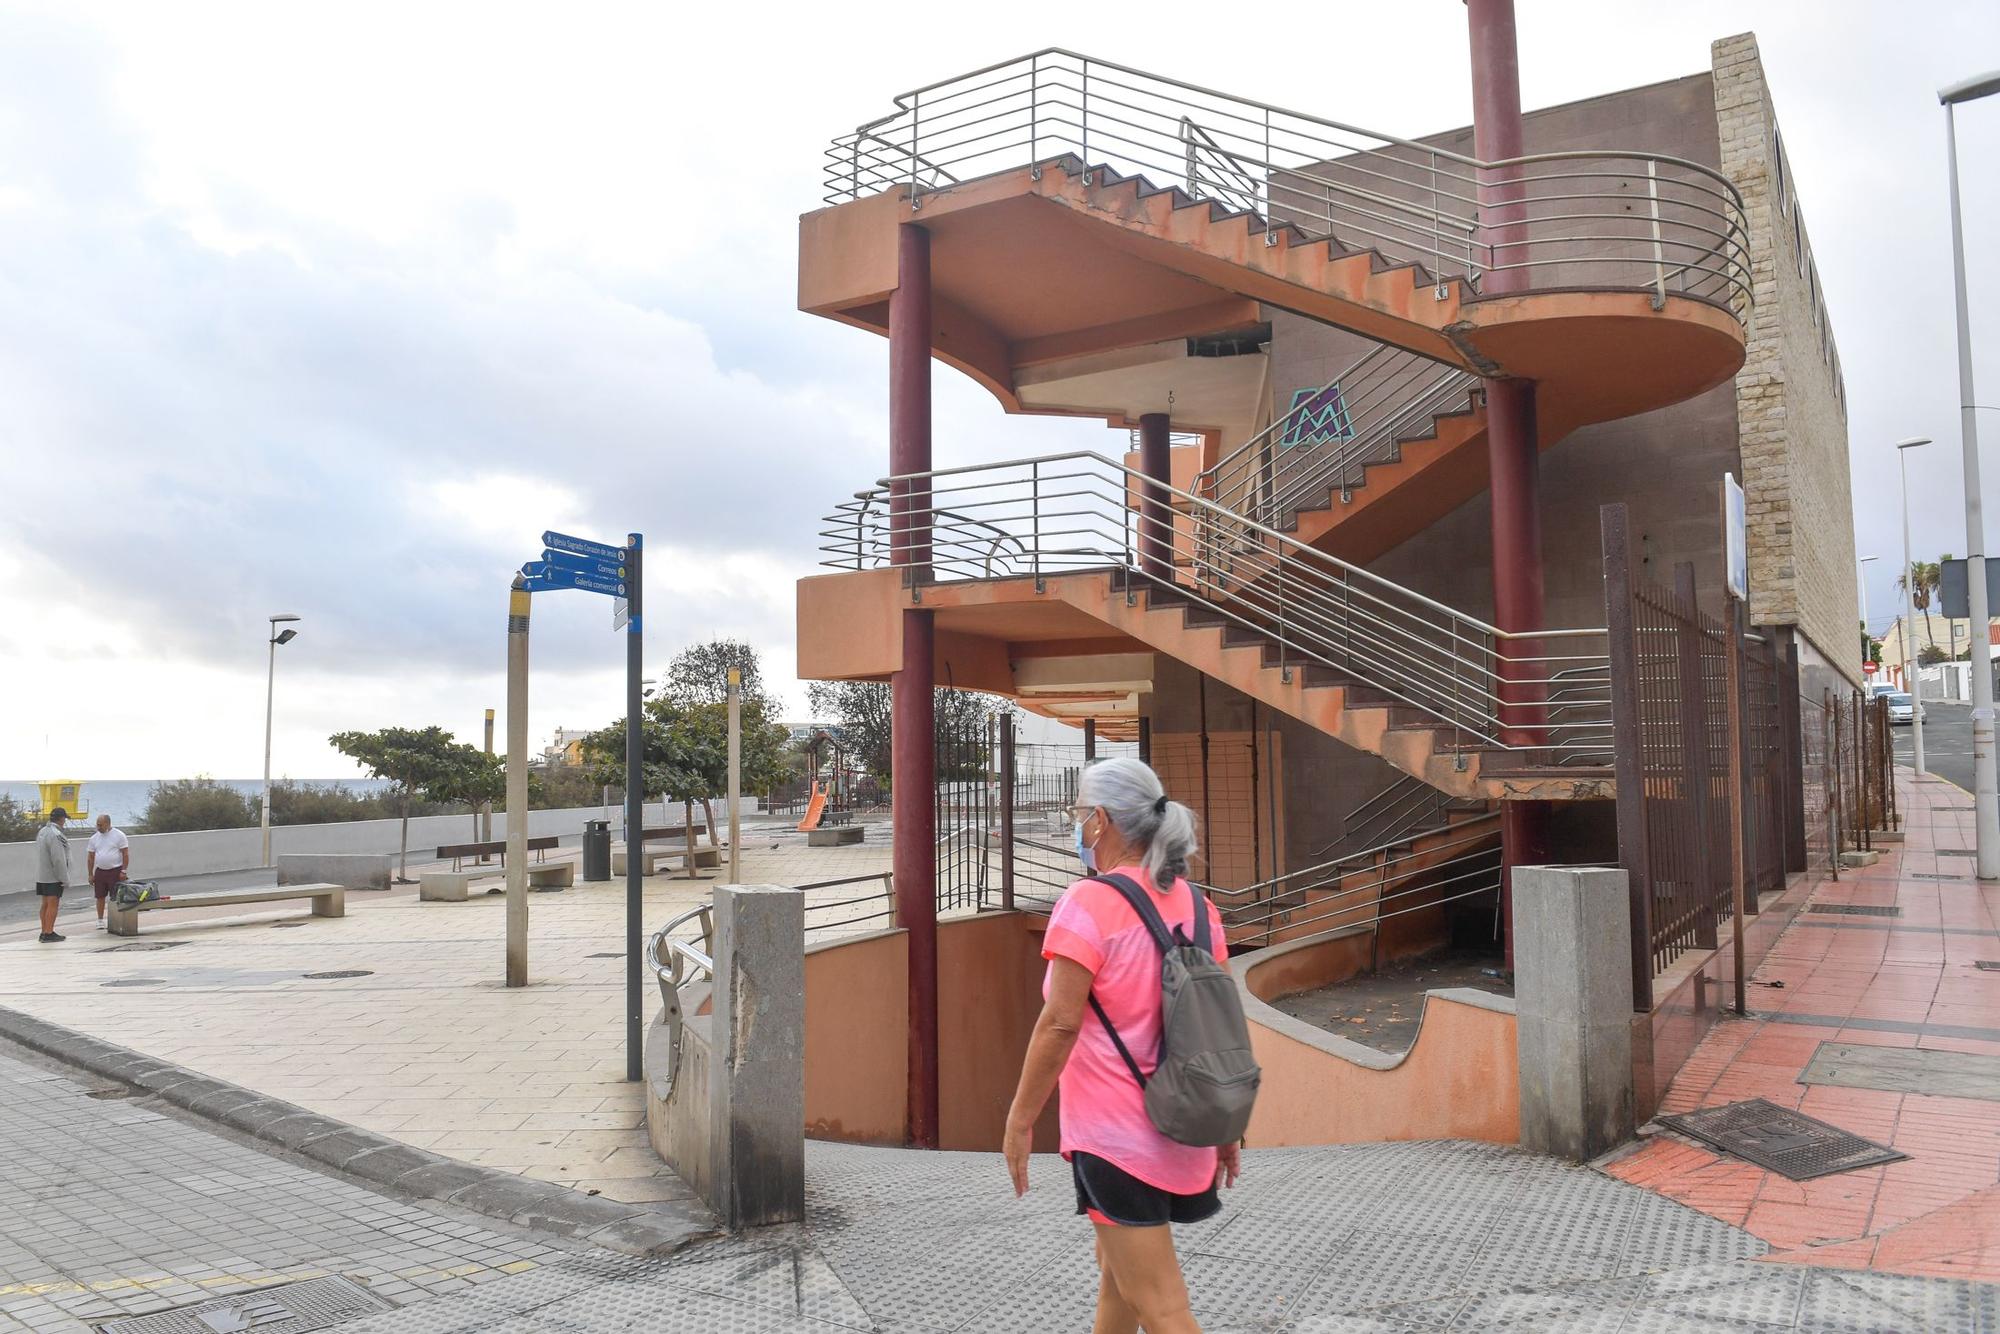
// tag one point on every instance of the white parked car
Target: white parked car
(1902, 708)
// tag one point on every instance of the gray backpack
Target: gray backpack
(1205, 1081)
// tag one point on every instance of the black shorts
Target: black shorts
(1107, 1193)
(48, 889)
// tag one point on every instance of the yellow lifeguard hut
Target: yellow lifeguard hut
(64, 792)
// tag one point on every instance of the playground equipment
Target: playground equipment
(64, 792)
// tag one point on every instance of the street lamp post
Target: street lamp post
(1985, 793)
(284, 636)
(1910, 683)
(1861, 577)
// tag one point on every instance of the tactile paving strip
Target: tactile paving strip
(1789, 1143)
(290, 1308)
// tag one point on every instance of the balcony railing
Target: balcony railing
(1543, 696)
(1598, 220)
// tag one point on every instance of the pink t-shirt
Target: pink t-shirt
(1103, 1108)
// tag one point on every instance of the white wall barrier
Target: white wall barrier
(200, 851)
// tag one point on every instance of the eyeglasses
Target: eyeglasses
(1079, 814)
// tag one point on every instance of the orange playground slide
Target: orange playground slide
(814, 808)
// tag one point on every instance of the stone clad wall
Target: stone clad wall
(1790, 401)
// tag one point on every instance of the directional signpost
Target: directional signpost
(592, 567)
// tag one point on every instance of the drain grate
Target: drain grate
(290, 1308)
(1934, 875)
(140, 947)
(135, 982)
(112, 1094)
(1987, 965)
(341, 972)
(610, 954)
(1957, 852)
(1854, 909)
(285, 926)
(1789, 1143)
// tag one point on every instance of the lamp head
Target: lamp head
(1913, 442)
(276, 617)
(1972, 89)
(285, 636)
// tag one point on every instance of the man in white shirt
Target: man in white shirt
(107, 861)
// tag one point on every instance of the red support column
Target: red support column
(913, 752)
(1156, 512)
(1512, 446)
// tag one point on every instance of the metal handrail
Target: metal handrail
(1076, 511)
(1540, 213)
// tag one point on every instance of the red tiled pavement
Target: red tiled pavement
(1938, 1212)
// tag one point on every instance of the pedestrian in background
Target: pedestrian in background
(51, 870)
(1131, 1180)
(107, 860)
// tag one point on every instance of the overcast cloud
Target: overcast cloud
(334, 310)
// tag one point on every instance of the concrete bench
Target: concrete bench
(555, 875)
(649, 861)
(838, 836)
(327, 901)
(448, 886)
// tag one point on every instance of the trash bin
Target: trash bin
(596, 850)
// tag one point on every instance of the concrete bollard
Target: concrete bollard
(1573, 1002)
(757, 1079)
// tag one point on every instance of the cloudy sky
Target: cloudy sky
(334, 309)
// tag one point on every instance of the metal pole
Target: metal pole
(1985, 792)
(735, 774)
(486, 810)
(1007, 811)
(270, 686)
(635, 796)
(1735, 678)
(519, 601)
(1910, 623)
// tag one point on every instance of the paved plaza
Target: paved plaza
(420, 1042)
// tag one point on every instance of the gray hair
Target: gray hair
(1130, 794)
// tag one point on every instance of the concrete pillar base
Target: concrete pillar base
(1573, 1002)
(757, 1073)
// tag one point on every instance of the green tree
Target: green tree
(862, 708)
(196, 803)
(1923, 581)
(15, 825)
(1930, 655)
(421, 764)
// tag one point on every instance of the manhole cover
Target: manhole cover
(1788, 1143)
(290, 1308)
(140, 947)
(1854, 909)
(1933, 875)
(341, 972)
(135, 982)
(1944, 1074)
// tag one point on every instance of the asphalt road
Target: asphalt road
(1947, 742)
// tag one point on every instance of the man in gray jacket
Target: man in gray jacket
(52, 870)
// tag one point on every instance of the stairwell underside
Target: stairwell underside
(850, 627)
(1031, 270)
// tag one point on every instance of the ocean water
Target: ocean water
(124, 799)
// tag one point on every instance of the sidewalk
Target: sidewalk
(394, 1018)
(1905, 981)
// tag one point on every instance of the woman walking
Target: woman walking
(1099, 1026)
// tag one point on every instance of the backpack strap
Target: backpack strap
(1156, 926)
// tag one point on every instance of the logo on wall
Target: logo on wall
(1318, 417)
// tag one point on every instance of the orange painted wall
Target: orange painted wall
(989, 992)
(1458, 1082)
(850, 625)
(857, 1043)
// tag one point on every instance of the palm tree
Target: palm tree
(1921, 579)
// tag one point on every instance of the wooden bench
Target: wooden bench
(459, 851)
(327, 901)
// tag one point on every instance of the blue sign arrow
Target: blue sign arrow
(563, 560)
(580, 546)
(553, 581)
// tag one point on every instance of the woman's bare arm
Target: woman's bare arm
(1048, 1051)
